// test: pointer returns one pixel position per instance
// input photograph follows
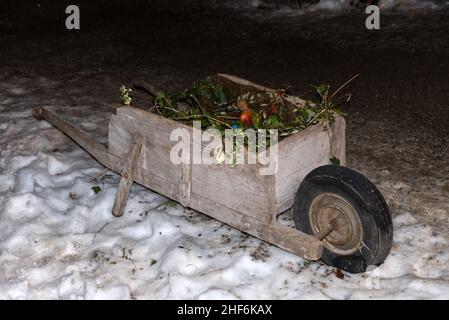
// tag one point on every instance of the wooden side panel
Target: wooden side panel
(154, 157)
(303, 152)
(239, 188)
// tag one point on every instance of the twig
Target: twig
(101, 229)
(317, 115)
(342, 86)
(153, 91)
(199, 116)
(101, 174)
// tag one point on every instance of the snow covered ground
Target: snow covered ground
(58, 239)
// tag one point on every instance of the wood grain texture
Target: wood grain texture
(298, 155)
(155, 153)
(185, 184)
(339, 139)
(246, 83)
(94, 148)
(240, 188)
(230, 186)
(284, 237)
(127, 178)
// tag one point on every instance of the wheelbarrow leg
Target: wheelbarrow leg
(127, 178)
(125, 167)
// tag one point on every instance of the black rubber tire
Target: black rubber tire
(367, 201)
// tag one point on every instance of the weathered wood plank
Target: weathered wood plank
(281, 236)
(301, 153)
(244, 82)
(155, 155)
(230, 186)
(127, 178)
(240, 188)
(185, 184)
(94, 148)
(298, 155)
(338, 137)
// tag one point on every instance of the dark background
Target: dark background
(397, 122)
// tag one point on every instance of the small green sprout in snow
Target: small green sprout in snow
(153, 262)
(124, 94)
(170, 203)
(96, 189)
(335, 161)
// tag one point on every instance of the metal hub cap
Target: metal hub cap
(337, 221)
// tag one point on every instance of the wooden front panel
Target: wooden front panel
(303, 152)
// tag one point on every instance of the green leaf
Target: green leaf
(170, 203)
(256, 120)
(96, 189)
(322, 89)
(306, 115)
(338, 111)
(273, 121)
(335, 161)
(153, 262)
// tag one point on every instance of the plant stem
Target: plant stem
(342, 86)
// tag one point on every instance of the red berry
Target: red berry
(246, 117)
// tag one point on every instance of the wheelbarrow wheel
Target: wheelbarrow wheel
(350, 215)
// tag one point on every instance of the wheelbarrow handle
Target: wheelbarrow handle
(94, 148)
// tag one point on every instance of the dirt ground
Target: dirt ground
(398, 133)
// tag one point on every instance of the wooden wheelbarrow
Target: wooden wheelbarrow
(340, 216)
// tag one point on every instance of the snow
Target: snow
(58, 239)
